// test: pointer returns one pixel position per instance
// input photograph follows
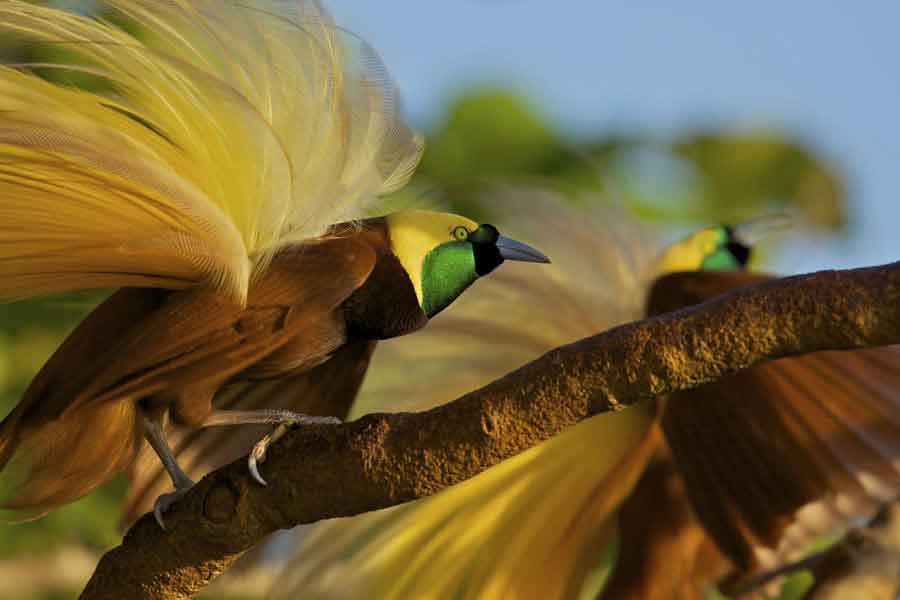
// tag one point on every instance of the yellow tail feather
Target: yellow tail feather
(223, 131)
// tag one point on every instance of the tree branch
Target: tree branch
(382, 460)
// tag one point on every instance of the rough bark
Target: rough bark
(382, 460)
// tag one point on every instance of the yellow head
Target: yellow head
(713, 248)
(720, 248)
(443, 253)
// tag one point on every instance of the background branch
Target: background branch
(382, 460)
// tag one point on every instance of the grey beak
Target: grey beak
(755, 230)
(513, 250)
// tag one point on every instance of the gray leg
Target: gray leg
(281, 418)
(264, 416)
(156, 438)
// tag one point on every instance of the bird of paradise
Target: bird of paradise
(220, 176)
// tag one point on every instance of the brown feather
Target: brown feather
(664, 553)
(369, 315)
(200, 339)
(678, 290)
(383, 306)
(778, 455)
(151, 350)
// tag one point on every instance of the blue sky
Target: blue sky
(827, 71)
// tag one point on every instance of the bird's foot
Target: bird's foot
(258, 453)
(165, 501)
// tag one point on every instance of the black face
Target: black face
(484, 244)
(740, 251)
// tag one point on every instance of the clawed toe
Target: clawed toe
(165, 501)
(258, 453)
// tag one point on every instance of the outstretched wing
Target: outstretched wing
(218, 132)
(780, 455)
(664, 552)
(536, 524)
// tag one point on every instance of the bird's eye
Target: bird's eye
(460, 233)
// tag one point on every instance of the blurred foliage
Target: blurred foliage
(491, 134)
(487, 135)
(751, 170)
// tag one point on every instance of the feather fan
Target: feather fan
(222, 131)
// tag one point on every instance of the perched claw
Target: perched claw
(164, 501)
(258, 453)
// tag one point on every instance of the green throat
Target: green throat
(446, 273)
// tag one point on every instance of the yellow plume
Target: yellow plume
(537, 524)
(222, 132)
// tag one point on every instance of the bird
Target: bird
(708, 486)
(220, 174)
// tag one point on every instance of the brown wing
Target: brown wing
(781, 454)
(180, 345)
(327, 390)
(196, 340)
(678, 290)
(664, 552)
